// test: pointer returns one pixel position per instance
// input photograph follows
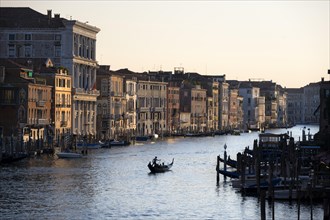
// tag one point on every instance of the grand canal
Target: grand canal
(115, 184)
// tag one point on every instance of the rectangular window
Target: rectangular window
(28, 50)
(11, 36)
(28, 37)
(58, 37)
(57, 51)
(11, 50)
(8, 97)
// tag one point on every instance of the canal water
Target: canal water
(115, 184)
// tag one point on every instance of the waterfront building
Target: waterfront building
(151, 107)
(103, 102)
(240, 112)
(215, 105)
(25, 112)
(234, 105)
(209, 114)
(131, 99)
(173, 108)
(324, 133)
(212, 88)
(198, 109)
(275, 103)
(311, 102)
(224, 105)
(261, 111)
(118, 102)
(251, 97)
(282, 107)
(295, 100)
(26, 33)
(60, 80)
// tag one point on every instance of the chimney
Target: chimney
(57, 15)
(49, 14)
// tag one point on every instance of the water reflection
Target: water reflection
(115, 184)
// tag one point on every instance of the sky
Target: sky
(287, 42)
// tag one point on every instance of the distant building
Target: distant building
(118, 115)
(311, 103)
(295, 100)
(275, 103)
(198, 109)
(324, 133)
(234, 104)
(173, 108)
(103, 120)
(224, 106)
(131, 99)
(151, 107)
(251, 97)
(303, 104)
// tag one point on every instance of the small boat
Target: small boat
(235, 132)
(88, 145)
(284, 194)
(104, 144)
(231, 174)
(160, 168)
(13, 158)
(142, 138)
(230, 162)
(68, 154)
(115, 143)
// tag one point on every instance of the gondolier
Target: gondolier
(154, 161)
(154, 167)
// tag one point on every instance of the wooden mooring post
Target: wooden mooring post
(225, 160)
(217, 169)
(326, 207)
(263, 205)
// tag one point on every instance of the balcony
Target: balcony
(144, 109)
(78, 91)
(94, 92)
(158, 109)
(64, 123)
(41, 103)
(43, 121)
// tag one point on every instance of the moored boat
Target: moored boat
(231, 174)
(89, 145)
(142, 138)
(69, 154)
(229, 162)
(115, 143)
(160, 168)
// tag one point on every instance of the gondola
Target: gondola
(160, 168)
(230, 162)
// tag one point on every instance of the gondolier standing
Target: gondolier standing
(154, 161)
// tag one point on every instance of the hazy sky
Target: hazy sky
(284, 41)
